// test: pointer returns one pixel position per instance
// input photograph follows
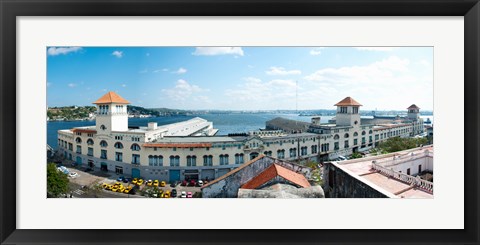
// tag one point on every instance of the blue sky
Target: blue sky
(243, 78)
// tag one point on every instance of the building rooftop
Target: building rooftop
(272, 172)
(413, 107)
(349, 101)
(396, 184)
(111, 97)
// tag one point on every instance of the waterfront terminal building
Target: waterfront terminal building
(192, 150)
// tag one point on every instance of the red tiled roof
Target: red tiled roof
(273, 171)
(413, 107)
(111, 97)
(178, 145)
(81, 130)
(348, 102)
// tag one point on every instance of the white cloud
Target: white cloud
(375, 48)
(52, 51)
(281, 71)
(180, 70)
(391, 83)
(210, 51)
(375, 72)
(118, 54)
(72, 85)
(255, 94)
(183, 91)
(316, 51)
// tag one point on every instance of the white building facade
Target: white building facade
(190, 149)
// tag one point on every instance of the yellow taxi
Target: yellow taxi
(104, 185)
(162, 184)
(127, 190)
(139, 182)
(134, 181)
(155, 183)
(166, 194)
(149, 182)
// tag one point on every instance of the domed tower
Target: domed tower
(348, 112)
(111, 113)
(413, 112)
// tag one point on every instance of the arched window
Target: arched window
(370, 132)
(118, 145)
(355, 134)
(363, 132)
(191, 161)
(78, 140)
(174, 161)
(135, 147)
(90, 141)
(346, 135)
(103, 143)
(336, 137)
(103, 127)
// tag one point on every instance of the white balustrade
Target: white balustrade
(417, 181)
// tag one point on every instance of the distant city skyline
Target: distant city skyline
(242, 78)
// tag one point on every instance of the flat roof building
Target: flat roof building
(395, 175)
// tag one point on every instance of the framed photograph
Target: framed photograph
(303, 122)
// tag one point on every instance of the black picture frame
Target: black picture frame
(10, 9)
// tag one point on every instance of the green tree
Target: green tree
(356, 155)
(400, 144)
(57, 182)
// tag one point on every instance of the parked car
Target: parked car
(134, 181)
(166, 194)
(200, 183)
(183, 194)
(192, 183)
(162, 184)
(72, 174)
(156, 183)
(139, 182)
(126, 180)
(120, 179)
(173, 193)
(189, 194)
(149, 182)
(184, 183)
(174, 184)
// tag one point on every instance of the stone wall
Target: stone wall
(338, 184)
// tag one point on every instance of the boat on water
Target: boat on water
(428, 121)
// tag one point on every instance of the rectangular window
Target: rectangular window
(118, 156)
(281, 154)
(70, 146)
(103, 154)
(355, 141)
(90, 151)
(363, 140)
(336, 146)
(135, 159)
(346, 144)
(79, 149)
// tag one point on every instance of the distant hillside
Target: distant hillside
(70, 113)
